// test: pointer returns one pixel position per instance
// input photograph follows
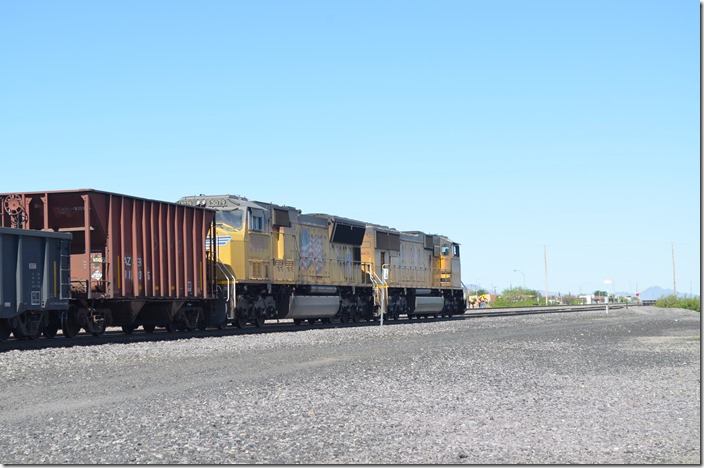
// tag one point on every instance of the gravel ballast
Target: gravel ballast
(585, 387)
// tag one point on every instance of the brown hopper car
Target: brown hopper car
(133, 261)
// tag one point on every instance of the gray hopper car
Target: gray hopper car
(34, 282)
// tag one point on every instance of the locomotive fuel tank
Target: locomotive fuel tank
(313, 307)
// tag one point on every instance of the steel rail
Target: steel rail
(114, 335)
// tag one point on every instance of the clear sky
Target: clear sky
(513, 127)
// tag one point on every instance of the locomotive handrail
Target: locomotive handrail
(376, 281)
(228, 276)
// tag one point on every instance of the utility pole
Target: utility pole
(674, 277)
(546, 273)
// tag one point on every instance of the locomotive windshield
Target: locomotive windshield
(231, 219)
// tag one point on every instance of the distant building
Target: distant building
(585, 299)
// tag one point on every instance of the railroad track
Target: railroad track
(115, 335)
(538, 310)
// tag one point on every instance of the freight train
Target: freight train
(109, 259)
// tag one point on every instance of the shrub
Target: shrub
(690, 303)
(517, 297)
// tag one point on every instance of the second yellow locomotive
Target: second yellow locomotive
(275, 262)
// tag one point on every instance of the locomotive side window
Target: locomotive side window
(455, 250)
(256, 220)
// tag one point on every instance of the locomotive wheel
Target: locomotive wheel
(149, 328)
(5, 330)
(259, 322)
(344, 317)
(128, 329)
(69, 324)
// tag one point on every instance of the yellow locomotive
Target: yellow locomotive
(275, 262)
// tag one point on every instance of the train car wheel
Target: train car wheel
(297, 321)
(149, 328)
(21, 336)
(30, 323)
(259, 322)
(128, 329)
(5, 330)
(171, 326)
(98, 328)
(357, 316)
(240, 321)
(344, 317)
(51, 330)
(69, 324)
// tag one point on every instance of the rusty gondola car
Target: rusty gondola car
(133, 261)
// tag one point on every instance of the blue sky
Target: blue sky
(512, 127)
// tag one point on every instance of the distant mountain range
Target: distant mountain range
(656, 292)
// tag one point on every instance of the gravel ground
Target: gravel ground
(587, 387)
